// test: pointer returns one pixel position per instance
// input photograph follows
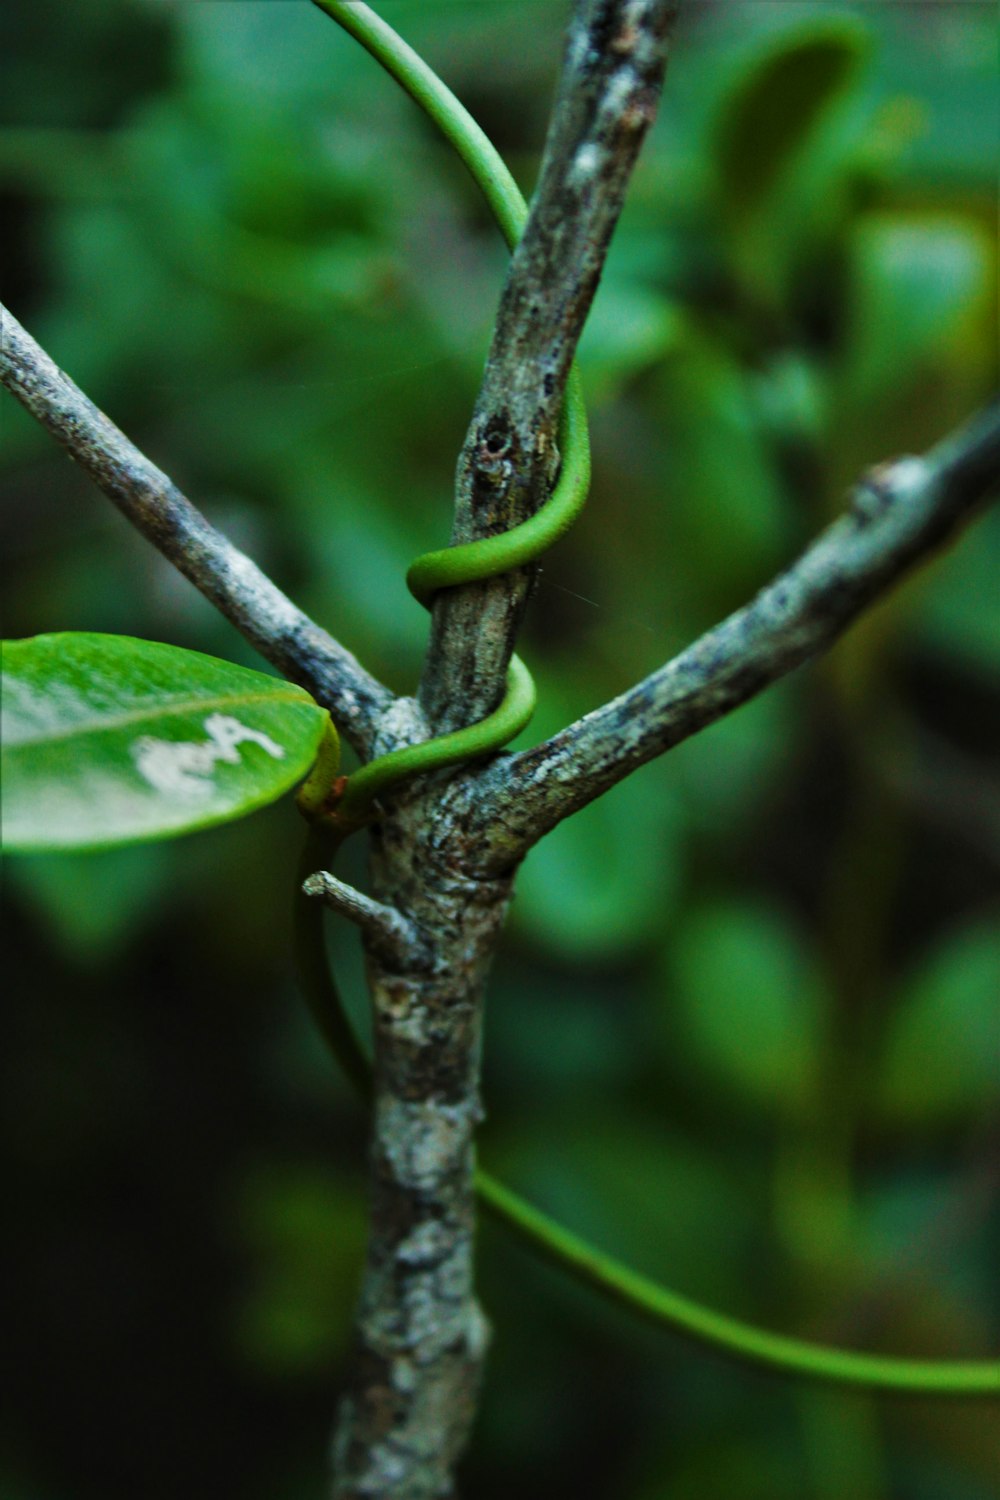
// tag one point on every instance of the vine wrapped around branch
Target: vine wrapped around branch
(899, 515)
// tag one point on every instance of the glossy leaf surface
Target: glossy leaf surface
(109, 740)
(751, 1003)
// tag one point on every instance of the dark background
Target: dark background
(743, 1030)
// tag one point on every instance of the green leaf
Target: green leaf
(726, 771)
(109, 740)
(630, 328)
(723, 477)
(915, 286)
(751, 1003)
(778, 103)
(942, 1050)
(603, 882)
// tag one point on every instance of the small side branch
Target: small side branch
(283, 635)
(608, 93)
(899, 514)
(395, 939)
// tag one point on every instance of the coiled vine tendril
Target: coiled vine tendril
(488, 557)
(353, 805)
(468, 563)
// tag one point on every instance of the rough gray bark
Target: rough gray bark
(898, 515)
(606, 101)
(421, 1337)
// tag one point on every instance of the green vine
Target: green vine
(486, 559)
(491, 556)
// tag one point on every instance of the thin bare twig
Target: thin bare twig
(899, 514)
(283, 635)
(389, 933)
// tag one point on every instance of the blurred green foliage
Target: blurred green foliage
(744, 1025)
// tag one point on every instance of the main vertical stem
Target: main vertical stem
(420, 1335)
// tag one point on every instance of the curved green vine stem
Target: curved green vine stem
(470, 562)
(489, 557)
(641, 1294)
(487, 735)
(313, 970)
(314, 791)
(477, 560)
(425, 88)
(730, 1336)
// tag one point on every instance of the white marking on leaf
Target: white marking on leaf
(228, 732)
(183, 768)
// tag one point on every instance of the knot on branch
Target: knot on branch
(886, 485)
(495, 456)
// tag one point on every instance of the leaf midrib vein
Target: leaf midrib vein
(159, 712)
